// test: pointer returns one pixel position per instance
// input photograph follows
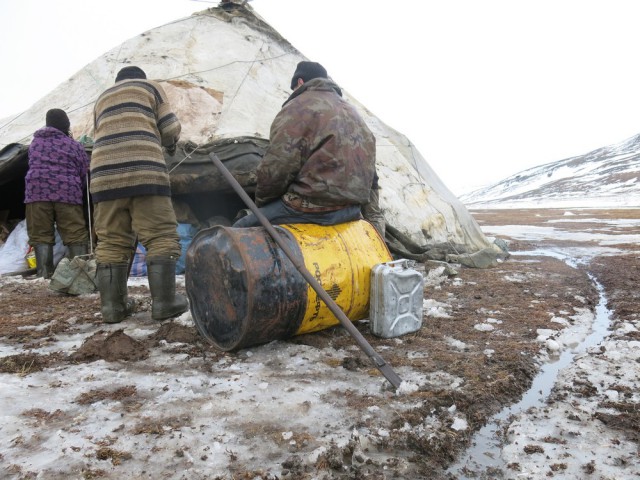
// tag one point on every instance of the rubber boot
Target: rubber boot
(112, 284)
(165, 302)
(44, 260)
(77, 250)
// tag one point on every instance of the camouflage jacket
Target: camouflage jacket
(320, 149)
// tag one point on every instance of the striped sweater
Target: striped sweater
(133, 121)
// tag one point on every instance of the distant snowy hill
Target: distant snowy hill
(606, 177)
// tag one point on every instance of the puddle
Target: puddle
(483, 456)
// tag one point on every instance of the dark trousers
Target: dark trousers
(279, 213)
(43, 217)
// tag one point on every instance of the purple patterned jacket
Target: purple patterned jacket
(58, 167)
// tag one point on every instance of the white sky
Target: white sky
(484, 89)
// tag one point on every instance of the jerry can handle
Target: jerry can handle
(402, 262)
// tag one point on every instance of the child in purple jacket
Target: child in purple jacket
(58, 168)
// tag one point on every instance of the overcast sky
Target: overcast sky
(483, 88)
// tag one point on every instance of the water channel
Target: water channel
(484, 453)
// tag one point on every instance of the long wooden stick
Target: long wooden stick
(378, 361)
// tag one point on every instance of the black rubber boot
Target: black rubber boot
(77, 250)
(166, 303)
(112, 284)
(44, 260)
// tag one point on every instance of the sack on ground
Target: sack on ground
(76, 276)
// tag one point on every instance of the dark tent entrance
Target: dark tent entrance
(13, 168)
(201, 195)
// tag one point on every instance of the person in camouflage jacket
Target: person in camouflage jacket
(320, 163)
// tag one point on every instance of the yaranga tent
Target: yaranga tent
(227, 74)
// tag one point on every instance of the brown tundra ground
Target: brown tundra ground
(141, 399)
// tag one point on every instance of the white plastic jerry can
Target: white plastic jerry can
(396, 299)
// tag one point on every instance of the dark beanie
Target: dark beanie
(57, 118)
(128, 73)
(307, 71)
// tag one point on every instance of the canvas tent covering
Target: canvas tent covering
(227, 74)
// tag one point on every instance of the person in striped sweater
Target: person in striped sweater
(131, 192)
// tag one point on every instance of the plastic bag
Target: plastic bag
(186, 233)
(12, 253)
(30, 257)
(139, 265)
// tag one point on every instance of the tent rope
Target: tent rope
(186, 156)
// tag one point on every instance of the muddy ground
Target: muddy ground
(522, 294)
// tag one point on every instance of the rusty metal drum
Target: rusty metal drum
(243, 290)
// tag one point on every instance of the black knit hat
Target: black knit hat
(307, 71)
(57, 118)
(128, 73)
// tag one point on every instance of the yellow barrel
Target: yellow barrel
(243, 290)
(340, 257)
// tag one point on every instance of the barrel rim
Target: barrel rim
(223, 346)
(246, 323)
